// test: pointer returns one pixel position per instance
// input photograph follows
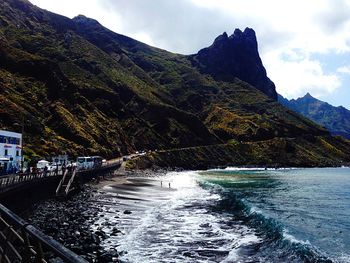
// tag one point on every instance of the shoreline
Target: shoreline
(120, 177)
(276, 152)
(88, 220)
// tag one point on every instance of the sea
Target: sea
(230, 215)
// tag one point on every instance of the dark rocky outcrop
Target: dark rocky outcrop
(235, 56)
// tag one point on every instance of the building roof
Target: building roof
(10, 133)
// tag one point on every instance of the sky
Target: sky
(304, 45)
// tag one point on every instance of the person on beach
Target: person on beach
(169, 184)
(161, 183)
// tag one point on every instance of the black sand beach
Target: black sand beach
(96, 214)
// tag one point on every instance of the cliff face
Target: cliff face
(334, 119)
(82, 89)
(235, 56)
(231, 109)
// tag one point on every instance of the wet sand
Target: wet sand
(132, 181)
(92, 221)
(131, 188)
(124, 201)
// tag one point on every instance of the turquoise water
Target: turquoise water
(300, 215)
(231, 215)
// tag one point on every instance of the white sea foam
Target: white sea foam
(255, 210)
(252, 169)
(344, 258)
(178, 227)
(293, 239)
(247, 239)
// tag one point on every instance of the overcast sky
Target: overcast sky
(304, 45)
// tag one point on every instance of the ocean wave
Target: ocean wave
(292, 239)
(277, 243)
(229, 168)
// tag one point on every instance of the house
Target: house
(10, 151)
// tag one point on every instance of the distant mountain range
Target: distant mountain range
(334, 119)
(82, 89)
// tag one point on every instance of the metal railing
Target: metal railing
(22, 242)
(64, 187)
(61, 182)
(10, 180)
(105, 166)
(70, 182)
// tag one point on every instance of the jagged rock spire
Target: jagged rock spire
(235, 56)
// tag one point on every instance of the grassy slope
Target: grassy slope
(231, 110)
(85, 89)
(278, 152)
(76, 93)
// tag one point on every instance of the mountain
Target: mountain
(79, 88)
(233, 57)
(334, 119)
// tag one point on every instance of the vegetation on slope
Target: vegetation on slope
(334, 119)
(79, 88)
(72, 91)
(278, 152)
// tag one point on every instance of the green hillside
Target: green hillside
(82, 89)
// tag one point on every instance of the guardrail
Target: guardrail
(10, 180)
(22, 242)
(104, 166)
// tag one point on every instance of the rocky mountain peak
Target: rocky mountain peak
(83, 20)
(308, 96)
(233, 57)
(335, 119)
(221, 39)
(247, 37)
(247, 33)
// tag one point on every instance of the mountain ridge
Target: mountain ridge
(335, 119)
(82, 89)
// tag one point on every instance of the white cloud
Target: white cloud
(295, 77)
(89, 8)
(344, 69)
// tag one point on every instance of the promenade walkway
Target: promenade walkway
(15, 181)
(22, 242)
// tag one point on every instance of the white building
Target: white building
(10, 151)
